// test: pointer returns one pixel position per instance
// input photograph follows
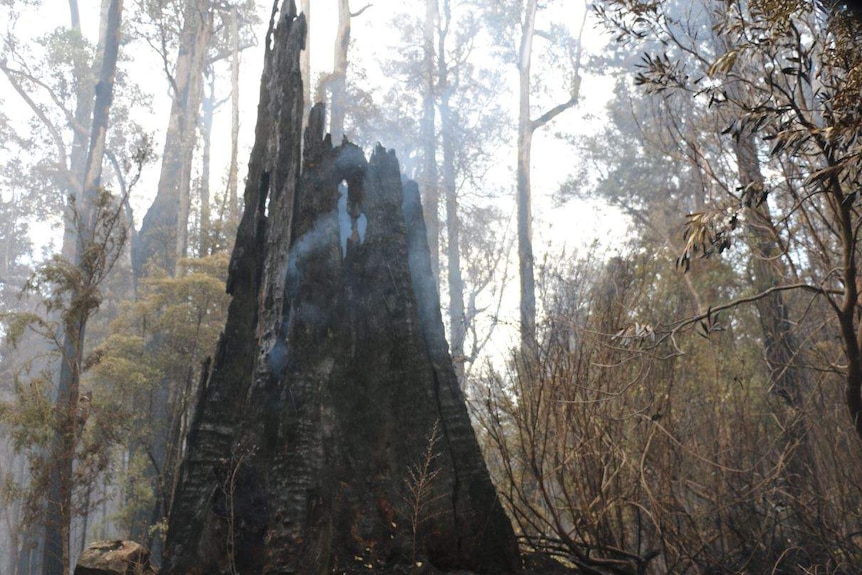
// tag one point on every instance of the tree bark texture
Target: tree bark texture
(338, 79)
(524, 203)
(305, 62)
(205, 232)
(164, 230)
(82, 304)
(332, 373)
(233, 171)
(457, 324)
(779, 340)
(430, 192)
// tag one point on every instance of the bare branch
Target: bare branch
(360, 11)
(61, 162)
(553, 113)
(751, 299)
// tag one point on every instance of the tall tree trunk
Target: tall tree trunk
(202, 30)
(80, 134)
(779, 340)
(305, 63)
(205, 238)
(289, 468)
(457, 327)
(233, 171)
(428, 180)
(163, 237)
(524, 203)
(526, 128)
(338, 80)
(82, 305)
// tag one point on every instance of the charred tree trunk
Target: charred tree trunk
(332, 379)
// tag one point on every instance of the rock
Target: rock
(114, 558)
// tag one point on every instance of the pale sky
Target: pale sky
(574, 226)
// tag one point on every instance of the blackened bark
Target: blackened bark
(209, 444)
(332, 373)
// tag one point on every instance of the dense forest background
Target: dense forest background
(643, 219)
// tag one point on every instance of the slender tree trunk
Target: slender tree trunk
(428, 180)
(524, 203)
(208, 110)
(57, 545)
(30, 553)
(202, 31)
(80, 133)
(233, 172)
(338, 80)
(164, 232)
(457, 327)
(526, 128)
(305, 63)
(779, 340)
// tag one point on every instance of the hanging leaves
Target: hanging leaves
(724, 64)
(706, 233)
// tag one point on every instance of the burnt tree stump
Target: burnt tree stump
(330, 433)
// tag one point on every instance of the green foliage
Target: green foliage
(174, 322)
(65, 436)
(68, 53)
(156, 340)
(30, 418)
(139, 495)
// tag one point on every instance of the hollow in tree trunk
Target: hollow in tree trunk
(331, 432)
